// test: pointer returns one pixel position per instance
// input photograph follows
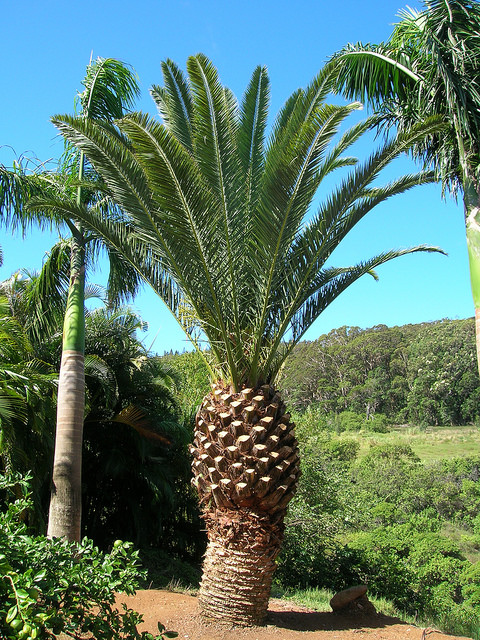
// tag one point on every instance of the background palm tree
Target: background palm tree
(212, 215)
(430, 66)
(110, 87)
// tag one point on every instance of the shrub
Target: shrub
(378, 423)
(471, 585)
(48, 587)
(348, 421)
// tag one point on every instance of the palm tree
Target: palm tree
(430, 66)
(109, 88)
(213, 215)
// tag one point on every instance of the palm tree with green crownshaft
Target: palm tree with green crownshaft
(430, 66)
(110, 87)
(212, 213)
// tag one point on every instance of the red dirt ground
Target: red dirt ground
(179, 612)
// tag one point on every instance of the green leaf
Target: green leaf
(39, 576)
(16, 623)
(11, 613)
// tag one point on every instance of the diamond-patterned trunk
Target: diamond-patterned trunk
(246, 469)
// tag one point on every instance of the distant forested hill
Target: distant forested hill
(421, 374)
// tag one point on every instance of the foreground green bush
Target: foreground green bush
(48, 587)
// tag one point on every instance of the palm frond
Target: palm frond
(111, 87)
(174, 102)
(17, 187)
(212, 214)
(137, 419)
(12, 406)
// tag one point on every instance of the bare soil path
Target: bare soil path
(179, 612)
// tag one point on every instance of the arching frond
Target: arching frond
(111, 87)
(213, 214)
(428, 66)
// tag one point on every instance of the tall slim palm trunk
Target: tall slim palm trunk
(64, 519)
(471, 201)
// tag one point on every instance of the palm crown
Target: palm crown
(213, 210)
(429, 65)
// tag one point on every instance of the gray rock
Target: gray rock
(343, 598)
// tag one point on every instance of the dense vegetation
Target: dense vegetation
(411, 529)
(135, 439)
(420, 374)
(408, 529)
(49, 587)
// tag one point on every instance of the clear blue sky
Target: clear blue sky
(45, 47)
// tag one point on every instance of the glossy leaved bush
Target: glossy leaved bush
(48, 587)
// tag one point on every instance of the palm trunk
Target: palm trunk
(239, 565)
(246, 468)
(64, 519)
(472, 222)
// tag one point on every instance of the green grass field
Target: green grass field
(433, 443)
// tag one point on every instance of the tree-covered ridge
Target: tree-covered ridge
(420, 374)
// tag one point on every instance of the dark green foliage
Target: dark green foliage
(407, 563)
(422, 374)
(311, 554)
(135, 444)
(471, 585)
(386, 519)
(135, 441)
(51, 587)
(27, 402)
(442, 375)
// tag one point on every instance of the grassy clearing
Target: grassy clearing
(467, 542)
(319, 600)
(315, 599)
(433, 443)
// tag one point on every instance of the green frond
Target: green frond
(212, 213)
(137, 419)
(251, 135)
(174, 102)
(372, 73)
(113, 158)
(332, 282)
(17, 187)
(38, 300)
(111, 87)
(12, 406)
(428, 66)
